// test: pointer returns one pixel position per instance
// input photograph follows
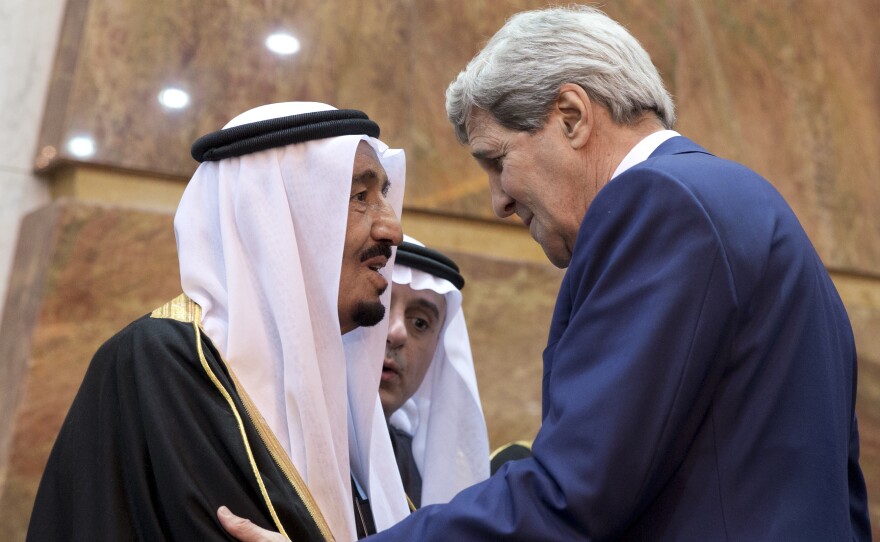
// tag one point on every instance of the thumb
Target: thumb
(245, 530)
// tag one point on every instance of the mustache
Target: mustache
(376, 250)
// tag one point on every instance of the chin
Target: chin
(368, 313)
(558, 257)
(561, 263)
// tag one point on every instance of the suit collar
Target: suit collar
(678, 145)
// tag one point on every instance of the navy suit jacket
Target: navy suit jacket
(699, 380)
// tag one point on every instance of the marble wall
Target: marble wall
(781, 86)
(73, 286)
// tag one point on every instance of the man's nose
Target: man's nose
(386, 228)
(396, 330)
(502, 204)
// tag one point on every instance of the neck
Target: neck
(611, 142)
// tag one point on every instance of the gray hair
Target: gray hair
(517, 75)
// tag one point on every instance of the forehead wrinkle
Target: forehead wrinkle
(370, 175)
(488, 146)
(364, 176)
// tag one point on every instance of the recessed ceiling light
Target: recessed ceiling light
(81, 146)
(174, 98)
(282, 44)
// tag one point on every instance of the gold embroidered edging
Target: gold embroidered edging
(523, 443)
(184, 309)
(247, 446)
(281, 459)
(181, 308)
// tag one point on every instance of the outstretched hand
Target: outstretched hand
(245, 530)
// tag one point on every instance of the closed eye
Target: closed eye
(487, 161)
(492, 164)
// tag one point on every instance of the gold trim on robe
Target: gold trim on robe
(183, 309)
(498, 450)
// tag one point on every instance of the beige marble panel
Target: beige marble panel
(442, 175)
(20, 193)
(81, 273)
(742, 72)
(788, 88)
(492, 239)
(116, 187)
(129, 51)
(33, 259)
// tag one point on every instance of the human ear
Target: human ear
(574, 111)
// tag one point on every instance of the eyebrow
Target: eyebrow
(364, 176)
(424, 303)
(370, 175)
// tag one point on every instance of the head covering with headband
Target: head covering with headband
(260, 236)
(444, 416)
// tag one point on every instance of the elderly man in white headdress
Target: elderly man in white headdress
(256, 388)
(428, 387)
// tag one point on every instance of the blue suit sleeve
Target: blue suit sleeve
(858, 493)
(636, 348)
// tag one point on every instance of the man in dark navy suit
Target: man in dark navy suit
(700, 377)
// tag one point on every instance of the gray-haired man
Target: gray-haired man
(700, 375)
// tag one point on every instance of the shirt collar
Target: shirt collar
(643, 150)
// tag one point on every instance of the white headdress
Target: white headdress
(260, 241)
(450, 444)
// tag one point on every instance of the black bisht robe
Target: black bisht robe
(401, 443)
(158, 437)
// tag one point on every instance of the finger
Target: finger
(245, 530)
